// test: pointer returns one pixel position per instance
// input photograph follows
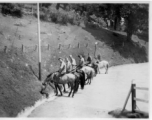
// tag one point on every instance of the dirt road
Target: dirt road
(107, 92)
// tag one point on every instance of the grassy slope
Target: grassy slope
(18, 86)
(18, 92)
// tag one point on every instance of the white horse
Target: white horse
(103, 64)
(89, 73)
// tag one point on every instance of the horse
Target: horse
(52, 74)
(89, 72)
(103, 64)
(81, 78)
(65, 79)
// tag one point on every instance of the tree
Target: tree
(136, 16)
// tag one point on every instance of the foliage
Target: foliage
(136, 16)
(12, 9)
(58, 16)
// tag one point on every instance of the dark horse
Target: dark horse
(72, 79)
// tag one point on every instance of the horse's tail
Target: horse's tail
(76, 86)
(107, 65)
(82, 80)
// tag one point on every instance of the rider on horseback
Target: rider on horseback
(73, 62)
(81, 61)
(89, 60)
(62, 69)
(68, 66)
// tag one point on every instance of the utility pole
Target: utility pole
(39, 50)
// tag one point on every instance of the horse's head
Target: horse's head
(48, 79)
(45, 82)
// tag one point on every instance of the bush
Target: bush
(62, 17)
(12, 9)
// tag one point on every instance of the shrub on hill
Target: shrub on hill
(12, 9)
(50, 14)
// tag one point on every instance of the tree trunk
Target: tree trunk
(115, 23)
(130, 28)
(129, 35)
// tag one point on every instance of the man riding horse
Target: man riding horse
(73, 62)
(89, 60)
(62, 69)
(81, 62)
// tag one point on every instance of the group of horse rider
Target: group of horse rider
(69, 65)
(74, 75)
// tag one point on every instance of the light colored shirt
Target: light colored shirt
(82, 62)
(68, 66)
(73, 62)
(62, 69)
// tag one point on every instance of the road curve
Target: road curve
(107, 92)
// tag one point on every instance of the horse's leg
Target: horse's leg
(74, 85)
(87, 81)
(47, 95)
(106, 70)
(64, 88)
(90, 80)
(74, 89)
(71, 89)
(59, 90)
(56, 89)
(106, 67)
(68, 85)
(99, 71)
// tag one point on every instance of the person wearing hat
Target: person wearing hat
(89, 60)
(68, 66)
(81, 61)
(73, 62)
(62, 68)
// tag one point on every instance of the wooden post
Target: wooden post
(48, 47)
(19, 37)
(127, 99)
(35, 47)
(39, 50)
(59, 46)
(95, 50)
(69, 46)
(5, 49)
(16, 31)
(86, 45)
(78, 45)
(22, 48)
(133, 96)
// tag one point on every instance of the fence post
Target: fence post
(22, 48)
(69, 46)
(133, 96)
(78, 45)
(59, 46)
(95, 50)
(19, 37)
(48, 47)
(35, 47)
(5, 49)
(86, 45)
(127, 98)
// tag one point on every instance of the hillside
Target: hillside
(19, 87)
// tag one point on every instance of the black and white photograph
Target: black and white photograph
(75, 59)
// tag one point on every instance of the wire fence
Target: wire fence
(34, 48)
